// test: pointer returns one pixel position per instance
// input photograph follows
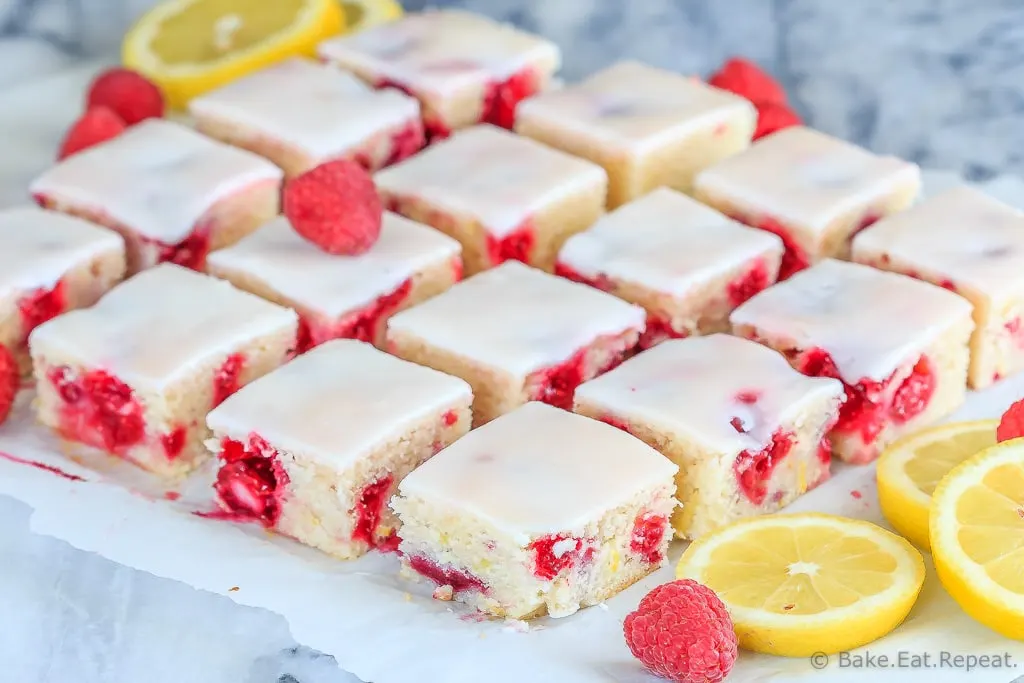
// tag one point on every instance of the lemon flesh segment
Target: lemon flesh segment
(362, 14)
(189, 47)
(800, 584)
(977, 536)
(911, 468)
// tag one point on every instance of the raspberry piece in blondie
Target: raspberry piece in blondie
(747, 431)
(300, 114)
(50, 263)
(687, 265)
(463, 68)
(321, 466)
(814, 191)
(971, 244)
(540, 511)
(136, 374)
(504, 197)
(342, 296)
(173, 194)
(647, 127)
(517, 334)
(898, 344)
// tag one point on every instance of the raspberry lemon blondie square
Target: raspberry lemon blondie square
(517, 334)
(504, 197)
(647, 127)
(540, 511)
(747, 431)
(300, 114)
(812, 190)
(899, 345)
(970, 244)
(172, 193)
(136, 374)
(322, 468)
(686, 264)
(50, 263)
(342, 296)
(463, 68)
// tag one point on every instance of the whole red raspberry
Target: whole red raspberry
(1011, 426)
(774, 117)
(336, 207)
(747, 79)
(93, 127)
(682, 631)
(128, 93)
(10, 378)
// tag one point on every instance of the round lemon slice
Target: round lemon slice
(796, 585)
(910, 469)
(188, 47)
(977, 536)
(361, 14)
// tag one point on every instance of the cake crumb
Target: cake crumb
(603, 606)
(407, 597)
(233, 589)
(443, 593)
(516, 626)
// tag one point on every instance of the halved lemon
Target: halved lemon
(360, 14)
(911, 468)
(189, 47)
(977, 536)
(800, 584)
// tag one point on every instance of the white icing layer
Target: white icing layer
(157, 178)
(314, 107)
(539, 470)
(517, 318)
(805, 178)
(870, 321)
(962, 235)
(338, 403)
(667, 242)
(495, 176)
(158, 326)
(37, 247)
(637, 105)
(441, 51)
(698, 387)
(334, 285)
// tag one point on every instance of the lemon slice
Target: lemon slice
(188, 47)
(360, 14)
(796, 585)
(977, 536)
(910, 469)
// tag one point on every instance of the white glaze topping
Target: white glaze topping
(870, 321)
(341, 401)
(804, 177)
(317, 108)
(635, 104)
(157, 178)
(517, 318)
(961, 234)
(699, 386)
(491, 174)
(667, 242)
(158, 326)
(37, 247)
(334, 285)
(539, 470)
(440, 50)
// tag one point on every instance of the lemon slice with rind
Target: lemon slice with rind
(362, 14)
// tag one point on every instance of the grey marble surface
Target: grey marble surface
(940, 82)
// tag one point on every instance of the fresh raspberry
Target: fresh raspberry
(93, 127)
(133, 97)
(336, 207)
(774, 117)
(682, 631)
(747, 79)
(1011, 426)
(9, 380)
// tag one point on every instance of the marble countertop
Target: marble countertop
(937, 82)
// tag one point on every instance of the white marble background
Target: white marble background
(940, 82)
